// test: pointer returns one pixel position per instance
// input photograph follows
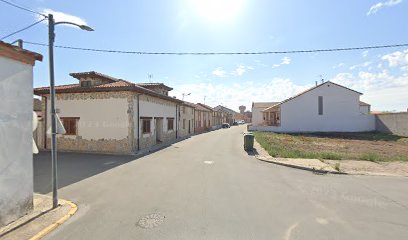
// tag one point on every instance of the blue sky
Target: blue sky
(229, 26)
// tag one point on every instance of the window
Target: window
(85, 83)
(170, 123)
(184, 109)
(320, 105)
(70, 125)
(184, 123)
(146, 125)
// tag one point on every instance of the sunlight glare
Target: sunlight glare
(218, 10)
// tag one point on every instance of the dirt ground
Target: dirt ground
(358, 167)
(371, 168)
(355, 146)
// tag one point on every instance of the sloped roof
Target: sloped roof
(263, 104)
(189, 104)
(114, 85)
(149, 85)
(206, 106)
(201, 108)
(364, 104)
(225, 109)
(19, 54)
(308, 90)
(93, 74)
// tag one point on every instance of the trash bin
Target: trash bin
(248, 141)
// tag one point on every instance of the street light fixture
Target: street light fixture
(51, 39)
(184, 94)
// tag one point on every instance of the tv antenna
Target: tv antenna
(150, 76)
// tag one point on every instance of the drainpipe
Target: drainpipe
(45, 123)
(176, 120)
(138, 123)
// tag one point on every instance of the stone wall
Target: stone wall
(395, 123)
(108, 144)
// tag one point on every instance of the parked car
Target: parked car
(225, 125)
(241, 122)
(235, 124)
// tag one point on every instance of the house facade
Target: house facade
(16, 131)
(203, 118)
(187, 119)
(328, 107)
(257, 114)
(228, 115)
(109, 115)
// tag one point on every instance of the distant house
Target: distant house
(328, 107)
(109, 115)
(215, 117)
(257, 114)
(229, 115)
(365, 107)
(16, 131)
(187, 114)
(203, 117)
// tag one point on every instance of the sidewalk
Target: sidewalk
(354, 167)
(40, 221)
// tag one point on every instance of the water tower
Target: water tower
(242, 109)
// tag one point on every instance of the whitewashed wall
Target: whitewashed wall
(16, 157)
(341, 112)
(365, 109)
(99, 118)
(257, 116)
(154, 107)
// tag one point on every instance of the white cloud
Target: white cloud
(376, 7)
(375, 86)
(219, 72)
(239, 71)
(284, 61)
(364, 53)
(396, 58)
(63, 17)
(244, 93)
(338, 65)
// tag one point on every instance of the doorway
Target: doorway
(159, 129)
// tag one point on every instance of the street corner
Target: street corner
(41, 221)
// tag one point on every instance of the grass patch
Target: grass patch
(370, 146)
(337, 167)
(373, 157)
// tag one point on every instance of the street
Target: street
(208, 187)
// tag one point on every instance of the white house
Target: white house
(328, 107)
(16, 131)
(105, 114)
(257, 114)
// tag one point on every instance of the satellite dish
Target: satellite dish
(35, 125)
(60, 127)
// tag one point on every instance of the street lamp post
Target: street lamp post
(51, 39)
(184, 95)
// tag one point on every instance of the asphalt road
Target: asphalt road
(208, 187)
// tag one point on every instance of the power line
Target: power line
(224, 53)
(29, 26)
(23, 8)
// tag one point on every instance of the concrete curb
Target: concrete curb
(301, 167)
(53, 226)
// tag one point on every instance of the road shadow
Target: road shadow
(252, 152)
(73, 167)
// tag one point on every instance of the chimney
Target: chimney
(316, 83)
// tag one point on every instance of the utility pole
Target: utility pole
(51, 39)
